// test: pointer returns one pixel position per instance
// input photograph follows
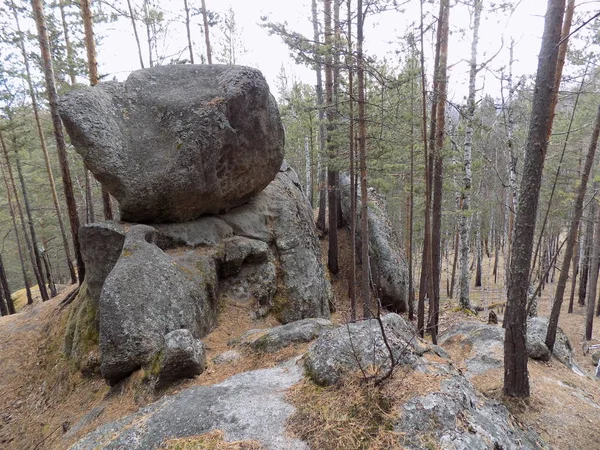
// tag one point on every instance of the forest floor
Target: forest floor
(42, 396)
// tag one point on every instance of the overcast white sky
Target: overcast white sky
(118, 54)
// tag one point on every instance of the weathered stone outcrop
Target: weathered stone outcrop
(388, 266)
(146, 296)
(486, 343)
(458, 417)
(248, 406)
(273, 339)
(361, 346)
(172, 143)
(183, 356)
(152, 281)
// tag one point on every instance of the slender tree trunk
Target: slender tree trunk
(516, 377)
(31, 248)
(454, 263)
(587, 254)
(10, 306)
(90, 46)
(68, 46)
(411, 210)
(206, 32)
(576, 251)
(514, 194)
(464, 299)
(572, 237)
(320, 104)
(440, 133)
(135, 33)
(187, 29)
(332, 236)
(35, 249)
(350, 63)
(593, 276)
(42, 138)
(425, 280)
(148, 24)
(58, 131)
(479, 254)
(20, 250)
(362, 151)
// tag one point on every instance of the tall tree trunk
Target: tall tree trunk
(20, 249)
(513, 161)
(320, 104)
(411, 210)
(593, 276)
(464, 225)
(572, 237)
(42, 138)
(587, 254)
(362, 152)
(479, 253)
(332, 235)
(58, 131)
(148, 24)
(350, 63)
(516, 377)
(425, 280)
(135, 33)
(206, 32)
(575, 269)
(90, 46)
(68, 46)
(31, 248)
(35, 249)
(440, 134)
(188, 32)
(454, 263)
(10, 306)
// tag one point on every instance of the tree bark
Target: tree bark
(516, 378)
(464, 225)
(36, 115)
(362, 152)
(58, 131)
(587, 254)
(187, 29)
(572, 237)
(593, 276)
(20, 250)
(206, 32)
(350, 63)
(135, 33)
(440, 133)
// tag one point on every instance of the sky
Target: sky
(117, 55)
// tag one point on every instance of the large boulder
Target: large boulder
(362, 346)
(183, 356)
(146, 296)
(172, 143)
(388, 265)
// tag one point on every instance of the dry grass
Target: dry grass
(209, 441)
(355, 414)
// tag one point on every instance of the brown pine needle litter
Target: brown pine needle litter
(209, 441)
(355, 414)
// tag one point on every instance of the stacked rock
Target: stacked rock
(195, 153)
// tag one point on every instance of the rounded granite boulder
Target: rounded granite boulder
(172, 143)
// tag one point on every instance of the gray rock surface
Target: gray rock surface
(598, 370)
(349, 348)
(388, 265)
(281, 216)
(227, 357)
(596, 358)
(183, 356)
(145, 297)
(536, 337)
(486, 343)
(273, 339)
(174, 142)
(459, 418)
(248, 406)
(101, 245)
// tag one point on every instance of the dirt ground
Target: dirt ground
(42, 397)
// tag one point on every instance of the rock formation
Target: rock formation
(174, 142)
(388, 266)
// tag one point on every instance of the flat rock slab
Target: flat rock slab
(248, 406)
(172, 143)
